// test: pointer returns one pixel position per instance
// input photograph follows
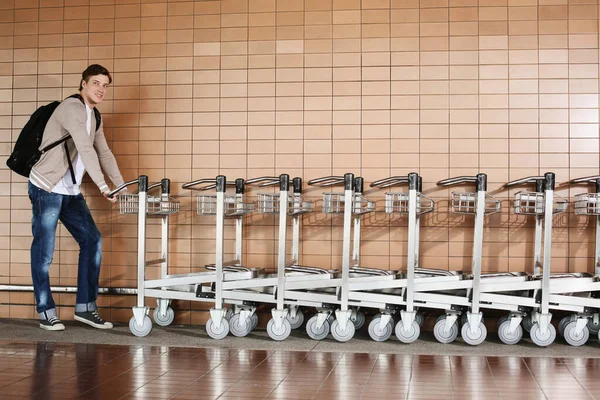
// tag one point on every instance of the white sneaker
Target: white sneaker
(52, 324)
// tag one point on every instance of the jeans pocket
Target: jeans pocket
(35, 196)
(31, 192)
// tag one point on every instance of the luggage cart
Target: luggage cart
(412, 203)
(430, 288)
(327, 294)
(416, 282)
(382, 324)
(449, 291)
(241, 317)
(524, 296)
(269, 204)
(537, 203)
(479, 204)
(149, 206)
(348, 204)
(357, 271)
(274, 289)
(586, 204)
(544, 291)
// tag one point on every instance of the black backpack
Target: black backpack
(26, 152)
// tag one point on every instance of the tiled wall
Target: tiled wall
(309, 88)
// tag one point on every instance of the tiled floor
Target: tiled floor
(87, 371)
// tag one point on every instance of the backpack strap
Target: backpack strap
(98, 118)
(70, 164)
(53, 145)
(96, 112)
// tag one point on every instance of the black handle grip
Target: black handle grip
(142, 184)
(348, 181)
(297, 182)
(597, 185)
(481, 182)
(239, 186)
(413, 181)
(420, 185)
(165, 186)
(539, 185)
(221, 183)
(284, 182)
(549, 181)
(359, 184)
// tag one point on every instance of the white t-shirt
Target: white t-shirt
(65, 185)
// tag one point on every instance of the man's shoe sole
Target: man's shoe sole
(90, 323)
(58, 327)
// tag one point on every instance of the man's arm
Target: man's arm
(73, 119)
(106, 157)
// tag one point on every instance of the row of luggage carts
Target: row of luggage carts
(396, 299)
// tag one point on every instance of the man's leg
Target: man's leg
(76, 217)
(45, 212)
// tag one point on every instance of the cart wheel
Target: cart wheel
(420, 318)
(359, 321)
(474, 339)
(217, 333)
(297, 322)
(313, 332)
(592, 327)
(281, 333)
(140, 331)
(509, 338)
(408, 337)
(441, 335)
(253, 322)
(528, 323)
(342, 335)
(228, 314)
(378, 333)
(572, 338)
(542, 340)
(237, 328)
(501, 320)
(165, 320)
(562, 323)
(331, 318)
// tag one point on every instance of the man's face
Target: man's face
(95, 88)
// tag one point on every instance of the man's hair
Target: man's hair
(94, 69)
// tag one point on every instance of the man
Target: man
(55, 196)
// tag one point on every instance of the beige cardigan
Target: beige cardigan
(70, 118)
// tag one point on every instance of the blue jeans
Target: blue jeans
(73, 212)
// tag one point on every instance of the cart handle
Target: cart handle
(211, 184)
(391, 181)
(347, 180)
(522, 181)
(326, 181)
(457, 180)
(587, 179)
(124, 185)
(150, 187)
(264, 181)
(480, 181)
(542, 183)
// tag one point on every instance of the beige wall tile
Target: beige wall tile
(378, 87)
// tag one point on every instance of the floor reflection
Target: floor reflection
(89, 371)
